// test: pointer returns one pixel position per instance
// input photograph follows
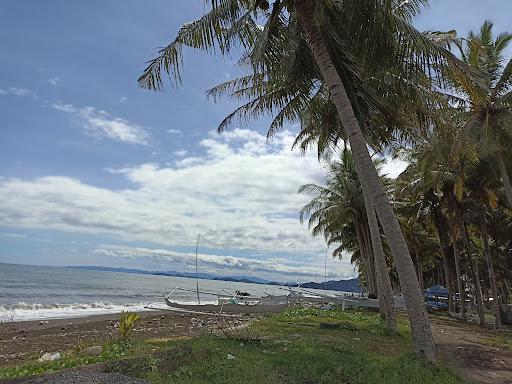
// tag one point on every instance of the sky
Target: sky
(97, 171)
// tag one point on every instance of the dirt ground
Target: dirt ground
(475, 353)
(29, 340)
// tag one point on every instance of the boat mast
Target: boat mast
(197, 278)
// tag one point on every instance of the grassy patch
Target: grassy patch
(295, 363)
(299, 346)
(500, 341)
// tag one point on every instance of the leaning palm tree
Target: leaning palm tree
(392, 109)
(325, 36)
(489, 100)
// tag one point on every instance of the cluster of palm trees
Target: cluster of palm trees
(362, 82)
(452, 200)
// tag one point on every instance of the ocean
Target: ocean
(38, 293)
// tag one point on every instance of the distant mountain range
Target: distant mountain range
(350, 285)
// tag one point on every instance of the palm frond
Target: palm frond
(228, 23)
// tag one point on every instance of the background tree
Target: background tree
(488, 98)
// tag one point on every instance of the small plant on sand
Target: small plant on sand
(127, 323)
(235, 331)
(7, 314)
(80, 345)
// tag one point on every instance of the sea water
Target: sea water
(37, 292)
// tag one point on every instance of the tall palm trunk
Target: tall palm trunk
(454, 209)
(441, 226)
(490, 268)
(420, 326)
(386, 301)
(476, 276)
(364, 253)
(479, 298)
(504, 177)
(460, 287)
(371, 260)
(448, 280)
(509, 293)
(419, 268)
(372, 281)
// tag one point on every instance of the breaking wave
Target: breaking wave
(24, 312)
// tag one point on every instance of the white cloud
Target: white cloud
(189, 161)
(16, 91)
(100, 124)
(241, 195)
(65, 108)
(174, 131)
(14, 235)
(181, 152)
(227, 264)
(123, 99)
(54, 81)
(394, 167)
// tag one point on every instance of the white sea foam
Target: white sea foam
(25, 312)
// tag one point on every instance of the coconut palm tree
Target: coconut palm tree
(482, 191)
(420, 242)
(342, 206)
(393, 109)
(378, 33)
(442, 162)
(338, 209)
(488, 101)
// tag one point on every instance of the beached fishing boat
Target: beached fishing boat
(236, 303)
(241, 302)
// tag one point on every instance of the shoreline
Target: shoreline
(45, 323)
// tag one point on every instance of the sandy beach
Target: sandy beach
(28, 340)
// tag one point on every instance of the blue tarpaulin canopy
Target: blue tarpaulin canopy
(436, 290)
(436, 297)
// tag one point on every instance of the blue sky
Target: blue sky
(94, 170)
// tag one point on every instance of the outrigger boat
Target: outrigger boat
(236, 303)
(232, 304)
(241, 302)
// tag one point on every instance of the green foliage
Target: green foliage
(367, 322)
(79, 346)
(501, 341)
(127, 322)
(337, 211)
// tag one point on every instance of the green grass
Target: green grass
(501, 341)
(299, 346)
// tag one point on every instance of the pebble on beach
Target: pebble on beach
(49, 357)
(95, 350)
